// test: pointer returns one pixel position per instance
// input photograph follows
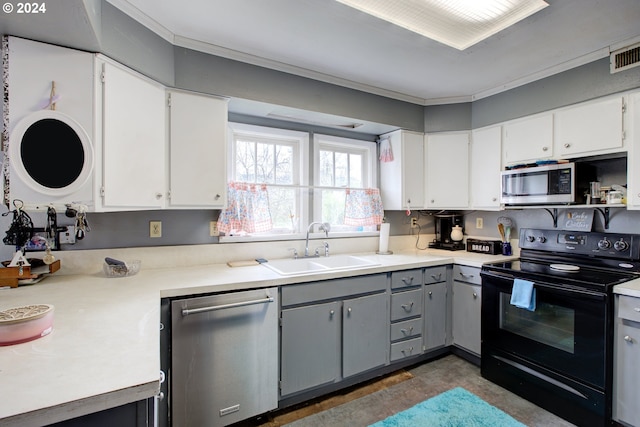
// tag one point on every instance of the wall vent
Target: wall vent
(625, 58)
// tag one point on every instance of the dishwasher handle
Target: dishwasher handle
(188, 311)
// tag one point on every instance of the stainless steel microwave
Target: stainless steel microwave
(546, 184)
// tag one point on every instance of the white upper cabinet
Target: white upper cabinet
(486, 145)
(633, 160)
(589, 128)
(402, 179)
(529, 139)
(197, 151)
(132, 113)
(447, 164)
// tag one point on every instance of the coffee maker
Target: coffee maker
(444, 223)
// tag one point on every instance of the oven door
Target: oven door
(566, 333)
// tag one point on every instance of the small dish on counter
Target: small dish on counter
(116, 268)
(25, 323)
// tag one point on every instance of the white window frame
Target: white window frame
(300, 143)
(367, 149)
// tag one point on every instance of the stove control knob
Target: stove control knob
(542, 239)
(604, 244)
(620, 245)
(531, 238)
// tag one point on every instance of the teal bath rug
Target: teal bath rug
(454, 408)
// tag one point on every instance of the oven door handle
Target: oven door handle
(568, 289)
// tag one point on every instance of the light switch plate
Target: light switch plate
(155, 228)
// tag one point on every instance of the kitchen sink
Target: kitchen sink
(289, 267)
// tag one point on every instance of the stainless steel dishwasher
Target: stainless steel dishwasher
(224, 357)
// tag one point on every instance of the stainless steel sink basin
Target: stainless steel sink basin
(290, 267)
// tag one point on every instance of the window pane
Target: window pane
(284, 215)
(326, 168)
(265, 163)
(284, 164)
(342, 169)
(245, 161)
(333, 206)
(355, 171)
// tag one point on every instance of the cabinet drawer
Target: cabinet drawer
(407, 329)
(435, 275)
(464, 273)
(404, 349)
(406, 278)
(629, 308)
(332, 289)
(406, 304)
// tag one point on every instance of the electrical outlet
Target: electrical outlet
(213, 229)
(155, 228)
(479, 223)
(414, 222)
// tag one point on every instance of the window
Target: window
(341, 164)
(276, 165)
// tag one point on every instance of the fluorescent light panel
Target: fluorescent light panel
(456, 23)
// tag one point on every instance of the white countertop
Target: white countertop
(104, 348)
(631, 288)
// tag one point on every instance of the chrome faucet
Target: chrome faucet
(324, 226)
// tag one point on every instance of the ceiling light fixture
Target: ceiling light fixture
(456, 23)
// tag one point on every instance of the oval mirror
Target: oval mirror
(51, 153)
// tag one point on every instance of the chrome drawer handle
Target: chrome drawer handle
(475, 295)
(407, 280)
(409, 350)
(408, 307)
(438, 277)
(466, 276)
(628, 339)
(636, 309)
(407, 331)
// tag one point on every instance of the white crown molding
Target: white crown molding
(135, 13)
(565, 66)
(291, 69)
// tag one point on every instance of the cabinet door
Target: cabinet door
(466, 316)
(589, 128)
(447, 162)
(197, 151)
(633, 162)
(486, 145)
(310, 339)
(627, 374)
(364, 334)
(133, 131)
(402, 180)
(528, 139)
(435, 315)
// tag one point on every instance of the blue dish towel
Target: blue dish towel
(523, 294)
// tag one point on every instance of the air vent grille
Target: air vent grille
(623, 59)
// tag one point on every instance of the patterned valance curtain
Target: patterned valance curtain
(247, 211)
(363, 207)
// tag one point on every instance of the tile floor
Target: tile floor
(428, 380)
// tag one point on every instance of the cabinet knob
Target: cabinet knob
(158, 196)
(217, 197)
(628, 339)
(408, 202)
(408, 307)
(545, 148)
(475, 295)
(494, 199)
(331, 313)
(433, 201)
(567, 145)
(430, 294)
(349, 310)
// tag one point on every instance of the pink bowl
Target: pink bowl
(26, 323)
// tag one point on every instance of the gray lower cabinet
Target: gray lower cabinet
(467, 302)
(322, 343)
(626, 407)
(435, 315)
